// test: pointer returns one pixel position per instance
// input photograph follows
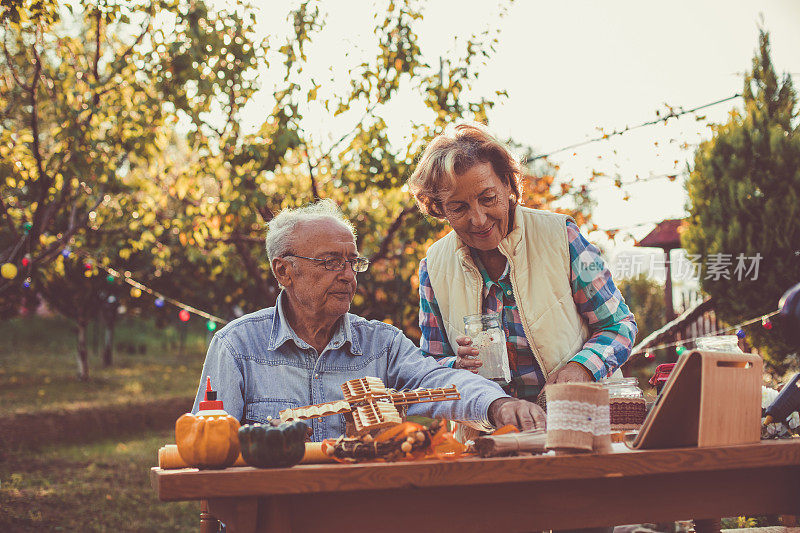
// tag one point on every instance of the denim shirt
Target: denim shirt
(259, 366)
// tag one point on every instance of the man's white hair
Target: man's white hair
(280, 230)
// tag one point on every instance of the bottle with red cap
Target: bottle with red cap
(210, 438)
(210, 406)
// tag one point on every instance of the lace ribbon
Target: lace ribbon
(602, 420)
(567, 415)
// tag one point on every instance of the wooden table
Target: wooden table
(500, 494)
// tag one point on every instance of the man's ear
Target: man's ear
(282, 270)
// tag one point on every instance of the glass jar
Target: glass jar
(719, 343)
(486, 332)
(626, 403)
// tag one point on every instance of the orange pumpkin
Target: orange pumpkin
(207, 440)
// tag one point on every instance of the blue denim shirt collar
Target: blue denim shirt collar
(282, 332)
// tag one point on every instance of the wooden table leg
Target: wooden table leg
(208, 524)
(275, 515)
(708, 525)
(240, 515)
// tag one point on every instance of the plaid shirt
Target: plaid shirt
(611, 324)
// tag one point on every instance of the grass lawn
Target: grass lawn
(103, 486)
(38, 369)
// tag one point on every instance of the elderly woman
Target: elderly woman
(564, 319)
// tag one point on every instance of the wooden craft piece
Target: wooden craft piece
(375, 415)
(711, 399)
(371, 404)
(315, 411)
(424, 395)
(357, 390)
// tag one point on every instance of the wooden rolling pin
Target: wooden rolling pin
(169, 458)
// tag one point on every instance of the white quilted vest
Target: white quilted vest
(538, 255)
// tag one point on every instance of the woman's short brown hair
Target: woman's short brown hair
(454, 152)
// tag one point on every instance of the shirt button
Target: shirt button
(508, 292)
(316, 376)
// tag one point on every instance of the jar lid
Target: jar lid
(490, 318)
(662, 373)
(620, 382)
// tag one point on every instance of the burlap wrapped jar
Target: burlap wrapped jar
(577, 418)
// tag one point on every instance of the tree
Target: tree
(171, 188)
(89, 95)
(68, 290)
(284, 165)
(744, 203)
(645, 298)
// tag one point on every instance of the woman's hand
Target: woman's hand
(572, 372)
(465, 355)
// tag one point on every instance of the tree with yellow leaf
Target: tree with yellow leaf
(135, 152)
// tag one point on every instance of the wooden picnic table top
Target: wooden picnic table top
(191, 483)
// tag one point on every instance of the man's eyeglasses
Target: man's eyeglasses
(359, 264)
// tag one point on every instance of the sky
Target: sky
(571, 67)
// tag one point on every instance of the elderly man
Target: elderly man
(300, 351)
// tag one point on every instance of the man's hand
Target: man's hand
(465, 354)
(524, 415)
(572, 372)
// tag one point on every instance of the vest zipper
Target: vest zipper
(477, 273)
(525, 327)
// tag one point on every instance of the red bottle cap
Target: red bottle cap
(211, 401)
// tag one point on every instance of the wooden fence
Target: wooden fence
(697, 320)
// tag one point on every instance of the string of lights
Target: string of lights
(144, 288)
(672, 114)
(138, 288)
(212, 321)
(764, 319)
(621, 228)
(619, 183)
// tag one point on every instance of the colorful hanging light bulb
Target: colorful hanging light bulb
(184, 315)
(211, 325)
(159, 302)
(8, 270)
